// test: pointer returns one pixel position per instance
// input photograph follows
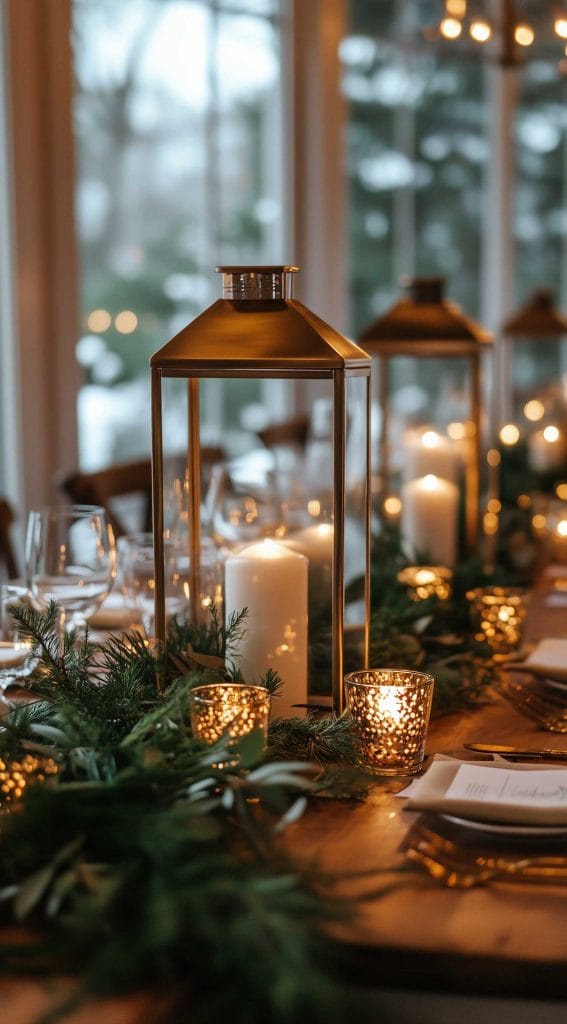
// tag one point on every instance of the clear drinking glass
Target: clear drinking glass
(16, 658)
(70, 559)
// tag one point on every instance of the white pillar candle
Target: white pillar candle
(546, 450)
(315, 542)
(430, 508)
(271, 581)
(430, 452)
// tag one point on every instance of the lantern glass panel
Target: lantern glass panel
(426, 396)
(538, 373)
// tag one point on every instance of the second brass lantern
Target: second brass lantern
(427, 357)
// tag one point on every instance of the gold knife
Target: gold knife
(546, 754)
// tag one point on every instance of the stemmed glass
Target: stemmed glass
(137, 568)
(70, 559)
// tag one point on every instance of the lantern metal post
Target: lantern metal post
(257, 331)
(425, 325)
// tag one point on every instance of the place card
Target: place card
(491, 791)
(482, 784)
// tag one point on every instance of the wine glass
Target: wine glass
(70, 559)
(137, 568)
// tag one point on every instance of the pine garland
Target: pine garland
(150, 860)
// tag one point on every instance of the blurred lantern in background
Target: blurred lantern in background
(533, 382)
(427, 457)
(305, 581)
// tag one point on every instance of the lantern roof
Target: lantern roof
(537, 318)
(257, 332)
(424, 323)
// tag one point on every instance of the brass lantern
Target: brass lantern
(306, 586)
(427, 357)
(533, 385)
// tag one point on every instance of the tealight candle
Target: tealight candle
(230, 710)
(270, 581)
(430, 508)
(390, 709)
(498, 615)
(423, 581)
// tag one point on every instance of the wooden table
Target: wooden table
(503, 938)
(506, 939)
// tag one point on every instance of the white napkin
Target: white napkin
(114, 613)
(523, 794)
(549, 655)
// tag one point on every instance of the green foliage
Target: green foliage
(431, 635)
(150, 860)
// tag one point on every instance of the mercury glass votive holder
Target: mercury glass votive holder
(423, 581)
(229, 710)
(498, 615)
(390, 708)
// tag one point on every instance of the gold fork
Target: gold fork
(460, 867)
(547, 710)
(466, 875)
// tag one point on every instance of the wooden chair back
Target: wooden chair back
(7, 556)
(124, 479)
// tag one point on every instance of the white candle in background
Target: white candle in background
(430, 508)
(271, 581)
(546, 450)
(315, 542)
(430, 452)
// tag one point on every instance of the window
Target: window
(179, 128)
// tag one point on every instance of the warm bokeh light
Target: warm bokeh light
(126, 322)
(392, 506)
(494, 505)
(524, 501)
(509, 434)
(551, 434)
(450, 28)
(457, 431)
(480, 31)
(314, 508)
(524, 35)
(560, 26)
(493, 457)
(99, 320)
(430, 439)
(456, 8)
(561, 491)
(490, 523)
(539, 522)
(561, 528)
(534, 410)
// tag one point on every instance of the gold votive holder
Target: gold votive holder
(228, 710)
(390, 708)
(21, 772)
(498, 615)
(423, 581)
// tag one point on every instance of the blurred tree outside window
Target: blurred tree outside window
(418, 159)
(178, 125)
